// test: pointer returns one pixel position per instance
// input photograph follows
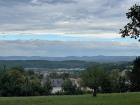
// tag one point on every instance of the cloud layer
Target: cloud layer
(84, 17)
(68, 48)
(64, 28)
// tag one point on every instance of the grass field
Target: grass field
(101, 99)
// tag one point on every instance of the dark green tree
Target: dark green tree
(11, 82)
(95, 77)
(119, 82)
(47, 85)
(114, 77)
(135, 75)
(132, 28)
(68, 87)
(17, 82)
(123, 87)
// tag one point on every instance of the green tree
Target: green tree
(47, 85)
(123, 87)
(135, 75)
(114, 77)
(118, 81)
(132, 28)
(65, 76)
(11, 82)
(95, 77)
(68, 87)
(17, 82)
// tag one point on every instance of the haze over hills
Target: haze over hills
(82, 58)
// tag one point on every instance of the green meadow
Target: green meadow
(101, 99)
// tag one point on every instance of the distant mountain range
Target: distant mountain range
(83, 58)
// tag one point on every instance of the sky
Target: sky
(65, 28)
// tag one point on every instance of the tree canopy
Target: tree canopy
(96, 77)
(132, 28)
(18, 82)
(135, 75)
(68, 87)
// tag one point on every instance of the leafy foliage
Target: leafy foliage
(135, 75)
(17, 82)
(102, 80)
(95, 77)
(68, 87)
(132, 29)
(47, 87)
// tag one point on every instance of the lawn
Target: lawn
(101, 99)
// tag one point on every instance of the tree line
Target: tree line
(18, 82)
(101, 80)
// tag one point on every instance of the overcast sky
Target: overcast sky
(65, 28)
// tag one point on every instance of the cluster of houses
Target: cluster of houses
(57, 82)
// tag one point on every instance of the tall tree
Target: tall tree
(135, 75)
(132, 28)
(47, 85)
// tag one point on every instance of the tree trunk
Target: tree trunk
(94, 92)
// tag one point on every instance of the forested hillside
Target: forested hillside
(45, 64)
(60, 64)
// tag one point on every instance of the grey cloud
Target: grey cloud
(63, 16)
(13, 2)
(56, 1)
(69, 48)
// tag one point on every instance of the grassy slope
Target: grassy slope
(103, 99)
